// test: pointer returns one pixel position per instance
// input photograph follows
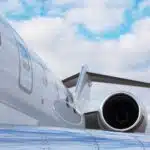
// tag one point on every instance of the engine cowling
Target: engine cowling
(119, 112)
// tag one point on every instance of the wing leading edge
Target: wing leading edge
(94, 77)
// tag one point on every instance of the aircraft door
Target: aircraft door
(25, 69)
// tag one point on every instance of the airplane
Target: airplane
(38, 110)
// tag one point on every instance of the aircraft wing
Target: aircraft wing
(94, 77)
(42, 138)
(71, 81)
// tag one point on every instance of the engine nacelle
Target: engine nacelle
(119, 112)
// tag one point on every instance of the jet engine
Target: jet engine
(118, 112)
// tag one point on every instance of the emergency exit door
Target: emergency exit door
(25, 69)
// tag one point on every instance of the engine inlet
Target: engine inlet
(120, 111)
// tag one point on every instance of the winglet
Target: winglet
(83, 83)
(82, 90)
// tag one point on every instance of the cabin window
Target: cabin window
(24, 57)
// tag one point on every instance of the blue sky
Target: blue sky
(35, 8)
(110, 36)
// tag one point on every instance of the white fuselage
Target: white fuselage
(30, 94)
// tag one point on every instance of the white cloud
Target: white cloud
(7, 5)
(99, 15)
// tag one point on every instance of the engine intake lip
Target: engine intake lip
(132, 100)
